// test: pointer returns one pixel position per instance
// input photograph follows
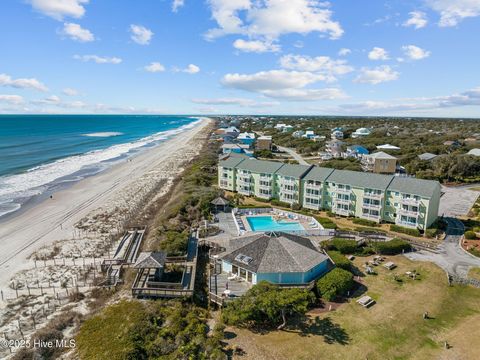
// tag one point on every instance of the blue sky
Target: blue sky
(356, 57)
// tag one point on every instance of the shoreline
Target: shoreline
(79, 206)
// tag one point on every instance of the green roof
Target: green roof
(420, 187)
(292, 170)
(318, 174)
(230, 162)
(360, 179)
(259, 166)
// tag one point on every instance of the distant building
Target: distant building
(361, 132)
(427, 156)
(287, 128)
(452, 143)
(337, 135)
(309, 134)
(237, 148)
(380, 163)
(474, 152)
(277, 257)
(298, 133)
(264, 143)
(334, 148)
(280, 126)
(356, 151)
(387, 147)
(230, 131)
(246, 138)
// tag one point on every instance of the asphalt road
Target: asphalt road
(294, 154)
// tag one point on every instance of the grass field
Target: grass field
(393, 328)
(474, 273)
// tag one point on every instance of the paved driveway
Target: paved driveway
(294, 154)
(449, 255)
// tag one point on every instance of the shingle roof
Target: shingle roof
(259, 166)
(230, 162)
(318, 174)
(277, 252)
(360, 179)
(219, 201)
(293, 170)
(151, 260)
(427, 156)
(382, 155)
(420, 187)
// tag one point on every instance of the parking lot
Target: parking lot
(457, 201)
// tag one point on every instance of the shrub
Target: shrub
(279, 203)
(326, 223)
(340, 260)
(344, 246)
(259, 199)
(335, 283)
(369, 229)
(392, 247)
(365, 222)
(330, 213)
(470, 235)
(403, 230)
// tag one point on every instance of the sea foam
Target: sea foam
(104, 134)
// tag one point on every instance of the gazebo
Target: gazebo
(149, 262)
(220, 202)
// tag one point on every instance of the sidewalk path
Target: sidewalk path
(294, 154)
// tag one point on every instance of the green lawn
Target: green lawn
(393, 328)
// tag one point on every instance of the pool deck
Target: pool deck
(303, 220)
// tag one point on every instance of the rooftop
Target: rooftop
(475, 152)
(259, 166)
(427, 156)
(387, 147)
(231, 162)
(414, 186)
(382, 155)
(276, 252)
(293, 170)
(150, 260)
(318, 174)
(360, 179)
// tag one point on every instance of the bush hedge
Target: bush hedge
(326, 222)
(279, 203)
(335, 283)
(392, 247)
(365, 222)
(340, 260)
(403, 230)
(344, 246)
(470, 235)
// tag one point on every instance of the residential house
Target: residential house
(264, 143)
(298, 134)
(335, 148)
(309, 134)
(246, 138)
(337, 135)
(287, 128)
(236, 148)
(387, 147)
(361, 132)
(380, 163)
(474, 152)
(356, 151)
(427, 156)
(277, 257)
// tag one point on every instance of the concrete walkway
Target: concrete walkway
(449, 255)
(293, 154)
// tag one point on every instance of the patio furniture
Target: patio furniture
(366, 301)
(390, 265)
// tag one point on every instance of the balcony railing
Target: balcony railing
(370, 216)
(406, 224)
(341, 201)
(372, 196)
(410, 213)
(313, 187)
(343, 191)
(288, 191)
(223, 183)
(372, 206)
(265, 178)
(342, 212)
(410, 201)
(244, 181)
(265, 187)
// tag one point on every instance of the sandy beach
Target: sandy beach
(95, 205)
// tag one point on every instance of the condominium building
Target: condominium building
(407, 202)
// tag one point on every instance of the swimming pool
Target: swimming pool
(268, 223)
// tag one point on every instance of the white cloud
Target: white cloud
(22, 83)
(306, 94)
(415, 53)
(272, 18)
(320, 64)
(418, 20)
(377, 75)
(70, 92)
(98, 59)
(177, 4)
(154, 67)
(140, 34)
(11, 99)
(256, 46)
(234, 102)
(453, 12)
(58, 9)
(190, 69)
(51, 100)
(467, 98)
(378, 53)
(344, 52)
(77, 33)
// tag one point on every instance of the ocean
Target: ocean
(40, 153)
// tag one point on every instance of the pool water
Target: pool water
(268, 223)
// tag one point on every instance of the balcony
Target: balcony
(342, 212)
(372, 206)
(244, 181)
(223, 183)
(265, 186)
(284, 182)
(288, 191)
(410, 201)
(370, 195)
(343, 191)
(264, 196)
(406, 224)
(265, 178)
(245, 191)
(341, 201)
(313, 187)
(370, 216)
(410, 213)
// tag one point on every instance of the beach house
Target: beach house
(337, 135)
(380, 163)
(264, 143)
(335, 148)
(246, 138)
(361, 132)
(356, 151)
(277, 257)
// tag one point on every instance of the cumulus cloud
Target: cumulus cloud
(70, 92)
(255, 46)
(58, 9)
(452, 12)
(242, 102)
(415, 53)
(282, 84)
(378, 53)
(320, 64)
(377, 75)
(98, 59)
(190, 69)
(154, 67)
(11, 99)
(270, 19)
(51, 100)
(140, 34)
(418, 20)
(22, 83)
(77, 33)
(344, 52)
(177, 4)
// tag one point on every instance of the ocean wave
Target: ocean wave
(103, 134)
(35, 180)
